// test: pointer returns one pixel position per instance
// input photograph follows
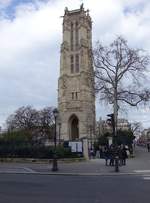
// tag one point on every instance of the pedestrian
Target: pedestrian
(111, 155)
(106, 155)
(91, 153)
(124, 156)
(100, 151)
(120, 155)
(148, 147)
(97, 153)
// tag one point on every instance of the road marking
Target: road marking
(142, 171)
(146, 178)
(29, 170)
(16, 170)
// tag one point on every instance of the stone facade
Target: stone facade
(103, 127)
(76, 98)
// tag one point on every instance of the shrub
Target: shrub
(19, 144)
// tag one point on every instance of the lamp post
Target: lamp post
(54, 163)
(91, 137)
(59, 124)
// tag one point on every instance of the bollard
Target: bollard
(116, 164)
(54, 163)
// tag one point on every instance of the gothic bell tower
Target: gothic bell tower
(76, 98)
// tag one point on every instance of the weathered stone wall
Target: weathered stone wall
(81, 82)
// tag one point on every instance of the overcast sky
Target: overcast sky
(30, 38)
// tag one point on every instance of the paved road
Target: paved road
(121, 188)
(74, 189)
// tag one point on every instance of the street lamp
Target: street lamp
(59, 124)
(54, 163)
(91, 144)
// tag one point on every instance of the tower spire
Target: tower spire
(81, 7)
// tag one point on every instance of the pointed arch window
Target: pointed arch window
(71, 37)
(72, 95)
(74, 127)
(76, 95)
(72, 63)
(77, 63)
(77, 35)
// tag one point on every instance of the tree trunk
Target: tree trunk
(115, 112)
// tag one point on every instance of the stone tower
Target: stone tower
(76, 98)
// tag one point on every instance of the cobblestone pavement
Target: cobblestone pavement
(138, 165)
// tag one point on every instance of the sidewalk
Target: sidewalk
(138, 165)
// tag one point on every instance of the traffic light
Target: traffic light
(110, 120)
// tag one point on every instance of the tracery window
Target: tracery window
(77, 35)
(76, 95)
(72, 95)
(71, 37)
(77, 63)
(72, 63)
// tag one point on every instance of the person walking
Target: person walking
(106, 155)
(112, 154)
(92, 154)
(124, 156)
(120, 155)
(148, 147)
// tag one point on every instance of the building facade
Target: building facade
(103, 127)
(76, 98)
(144, 138)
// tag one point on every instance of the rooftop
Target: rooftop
(76, 11)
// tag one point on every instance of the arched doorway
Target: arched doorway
(74, 127)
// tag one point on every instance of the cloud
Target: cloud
(30, 44)
(5, 3)
(29, 51)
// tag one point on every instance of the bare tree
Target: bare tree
(38, 124)
(119, 73)
(24, 118)
(136, 128)
(46, 122)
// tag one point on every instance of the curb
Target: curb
(40, 161)
(75, 174)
